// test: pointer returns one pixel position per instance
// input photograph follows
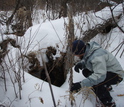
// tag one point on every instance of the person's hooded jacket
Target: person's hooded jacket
(99, 62)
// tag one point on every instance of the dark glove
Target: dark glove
(77, 67)
(75, 87)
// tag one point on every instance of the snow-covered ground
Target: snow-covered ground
(35, 92)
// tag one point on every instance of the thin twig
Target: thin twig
(114, 18)
(49, 81)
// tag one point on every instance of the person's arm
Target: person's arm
(99, 72)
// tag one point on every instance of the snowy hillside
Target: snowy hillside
(35, 92)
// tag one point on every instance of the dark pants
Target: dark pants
(101, 89)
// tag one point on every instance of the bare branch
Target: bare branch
(114, 18)
(49, 81)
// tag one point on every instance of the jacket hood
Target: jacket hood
(91, 47)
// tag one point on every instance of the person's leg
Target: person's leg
(101, 90)
(112, 79)
(103, 94)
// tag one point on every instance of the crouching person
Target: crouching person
(100, 68)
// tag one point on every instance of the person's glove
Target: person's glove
(77, 67)
(75, 87)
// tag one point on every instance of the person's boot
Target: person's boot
(109, 88)
(110, 104)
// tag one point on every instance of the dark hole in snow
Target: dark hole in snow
(55, 67)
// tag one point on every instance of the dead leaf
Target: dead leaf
(120, 95)
(41, 100)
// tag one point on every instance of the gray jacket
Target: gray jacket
(99, 61)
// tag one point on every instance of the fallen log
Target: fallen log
(103, 28)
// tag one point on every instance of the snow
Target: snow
(36, 92)
(50, 33)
